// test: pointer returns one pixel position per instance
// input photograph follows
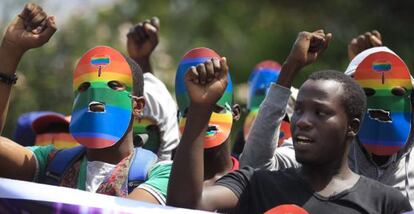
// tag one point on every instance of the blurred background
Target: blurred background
(246, 32)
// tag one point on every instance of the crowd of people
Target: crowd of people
(341, 143)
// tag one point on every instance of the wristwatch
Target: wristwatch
(9, 80)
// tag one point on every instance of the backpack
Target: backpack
(142, 161)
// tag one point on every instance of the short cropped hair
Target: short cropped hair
(137, 77)
(353, 97)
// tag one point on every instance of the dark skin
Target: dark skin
(142, 39)
(33, 28)
(357, 45)
(326, 176)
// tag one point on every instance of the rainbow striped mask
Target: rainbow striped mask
(387, 83)
(220, 123)
(96, 71)
(264, 74)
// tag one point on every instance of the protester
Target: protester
(108, 90)
(215, 153)
(157, 129)
(383, 147)
(327, 116)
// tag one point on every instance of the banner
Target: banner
(27, 197)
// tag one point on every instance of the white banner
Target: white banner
(28, 197)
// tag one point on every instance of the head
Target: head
(221, 119)
(263, 75)
(387, 84)
(327, 116)
(53, 128)
(105, 101)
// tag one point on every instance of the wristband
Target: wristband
(9, 80)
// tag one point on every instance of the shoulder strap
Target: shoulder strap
(61, 162)
(142, 162)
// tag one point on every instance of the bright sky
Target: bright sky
(62, 9)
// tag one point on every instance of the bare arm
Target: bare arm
(30, 29)
(205, 85)
(142, 39)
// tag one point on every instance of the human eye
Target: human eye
(84, 86)
(116, 85)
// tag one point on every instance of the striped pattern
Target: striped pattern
(193, 58)
(223, 123)
(264, 73)
(59, 140)
(383, 71)
(99, 66)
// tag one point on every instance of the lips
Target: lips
(380, 115)
(303, 140)
(97, 107)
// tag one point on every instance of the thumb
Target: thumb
(155, 22)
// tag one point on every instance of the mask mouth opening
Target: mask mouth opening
(380, 115)
(211, 130)
(96, 107)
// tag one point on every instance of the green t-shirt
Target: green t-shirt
(156, 183)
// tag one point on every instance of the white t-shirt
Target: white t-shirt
(96, 171)
(161, 107)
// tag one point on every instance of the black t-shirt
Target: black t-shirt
(262, 191)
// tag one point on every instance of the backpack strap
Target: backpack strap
(61, 162)
(142, 162)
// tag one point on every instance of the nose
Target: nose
(302, 121)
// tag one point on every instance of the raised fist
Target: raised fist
(308, 47)
(143, 38)
(363, 42)
(207, 82)
(30, 29)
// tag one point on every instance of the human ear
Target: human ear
(138, 104)
(353, 127)
(236, 111)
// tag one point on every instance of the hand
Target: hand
(308, 47)
(143, 38)
(363, 42)
(30, 29)
(207, 82)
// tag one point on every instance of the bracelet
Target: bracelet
(9, 80)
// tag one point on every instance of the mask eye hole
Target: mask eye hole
(369, 91)
(116, 85)
(84, 86)
(399, 91)
(218, 109)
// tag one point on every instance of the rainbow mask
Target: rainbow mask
(386, 81)
(220, 123)
(150, 128)
(97, 68)
(264, 74)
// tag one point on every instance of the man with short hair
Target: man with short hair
(326, 119)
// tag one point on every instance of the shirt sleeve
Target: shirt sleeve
(237, 181)
(157, 182)
(260, 150)
(42, 157)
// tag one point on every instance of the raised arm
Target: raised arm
(205, 84)
(142, 39)
(260, 150)
(30, 29)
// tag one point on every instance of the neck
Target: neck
(319, 176)
(114, 154)
(217, 161)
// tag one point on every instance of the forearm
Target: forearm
(187, 174)
(261, 144)
(145, 64)
(9, 59)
